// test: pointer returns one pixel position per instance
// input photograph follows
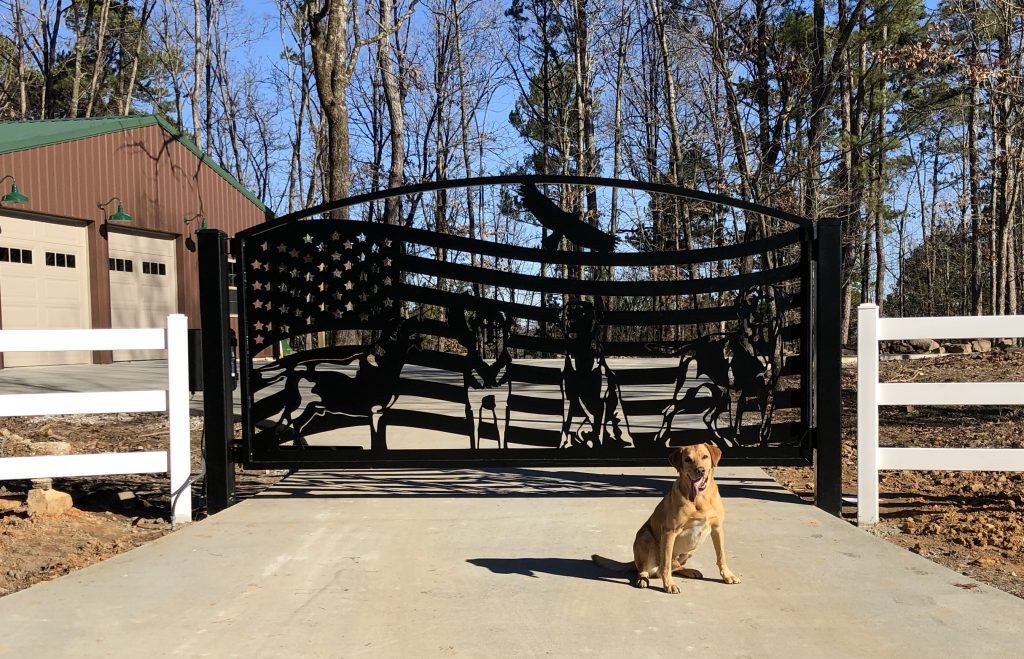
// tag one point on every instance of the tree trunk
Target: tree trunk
(392, 97)
(974, 181)
(100, 65)
(81, 35)
(144, 14)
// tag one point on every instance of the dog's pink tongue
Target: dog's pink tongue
(695, 488)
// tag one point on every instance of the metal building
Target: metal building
(97, 226)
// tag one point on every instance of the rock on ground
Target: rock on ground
(48, 502)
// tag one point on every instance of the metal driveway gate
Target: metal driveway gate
(513, 332)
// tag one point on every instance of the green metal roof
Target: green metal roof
(21, 135)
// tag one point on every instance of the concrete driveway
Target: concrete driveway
(486, 563)
(493, 563)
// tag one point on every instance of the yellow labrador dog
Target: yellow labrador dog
(681, 522)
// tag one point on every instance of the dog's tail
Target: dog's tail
(609, 564)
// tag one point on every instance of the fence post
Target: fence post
(828, 463)
(179, 466)
(218, 408)
(867, 414)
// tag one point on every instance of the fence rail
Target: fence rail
(871, 394)
(173, 400)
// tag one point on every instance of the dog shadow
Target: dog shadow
(578, 568)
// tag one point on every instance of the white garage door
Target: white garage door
(143, 285)
(44, 283)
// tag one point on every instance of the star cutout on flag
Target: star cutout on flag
(258, 340)
(347, 244)
(349, 285)
(307, 238)
(348, 265)
(348, 306)
(335, 256)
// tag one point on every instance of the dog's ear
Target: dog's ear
(675, 458)
(716, 454)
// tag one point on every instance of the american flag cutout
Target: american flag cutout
(322, 278)
(419, 302)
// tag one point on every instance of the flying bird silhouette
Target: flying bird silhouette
(563, 223)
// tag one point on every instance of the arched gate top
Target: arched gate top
(536, 179)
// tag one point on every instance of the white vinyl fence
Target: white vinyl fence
(871, 394)
(173, 400)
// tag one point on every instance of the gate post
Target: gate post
(828, 463)
(218, 411)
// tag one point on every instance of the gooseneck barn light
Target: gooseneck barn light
(119, 215)
(14, 196)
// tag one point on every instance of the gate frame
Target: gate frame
(820, 342)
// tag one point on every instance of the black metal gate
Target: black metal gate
(533, 337)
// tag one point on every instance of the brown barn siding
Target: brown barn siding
(159, 181)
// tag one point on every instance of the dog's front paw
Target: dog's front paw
(642, 582)
(671, 589)
(729, 577)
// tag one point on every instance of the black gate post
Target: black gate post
(828, 463)
(218, 410)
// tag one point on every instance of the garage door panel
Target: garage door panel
(40, 296)
(139, 298)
